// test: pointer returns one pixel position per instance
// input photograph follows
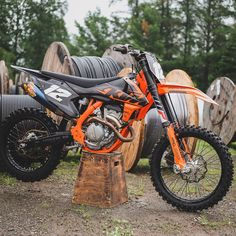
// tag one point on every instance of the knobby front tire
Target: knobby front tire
(210, 179)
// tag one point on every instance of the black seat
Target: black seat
(80, 81)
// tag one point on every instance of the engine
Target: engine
(98, 133)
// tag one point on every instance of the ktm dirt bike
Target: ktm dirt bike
(191, 168)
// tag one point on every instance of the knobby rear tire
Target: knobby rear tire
(55, 152)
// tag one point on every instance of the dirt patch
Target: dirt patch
(45, 208)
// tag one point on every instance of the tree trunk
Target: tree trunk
(208, 41)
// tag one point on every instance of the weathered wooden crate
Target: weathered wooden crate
(101, 180)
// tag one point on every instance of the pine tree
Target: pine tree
(45, 25)
(28, 27)
(94, 37)
(211, 38)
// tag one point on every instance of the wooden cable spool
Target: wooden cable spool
(57, 59)
(123, 60)
(186, 107)
(12, 87)
(221, 119)
(4, 78)
(19, 80)
(182, 78)
(131, 151)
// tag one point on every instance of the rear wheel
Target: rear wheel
(207, 178)
(29, 163)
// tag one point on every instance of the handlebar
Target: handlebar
(124, 49)
(127, 48)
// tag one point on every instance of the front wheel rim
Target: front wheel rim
(201, 184)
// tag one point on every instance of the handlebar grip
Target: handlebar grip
(123, 49)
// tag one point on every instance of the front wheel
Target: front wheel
(209, 174)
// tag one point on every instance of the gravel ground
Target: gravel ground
(45, 208)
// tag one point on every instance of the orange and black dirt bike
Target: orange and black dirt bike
(191, 167)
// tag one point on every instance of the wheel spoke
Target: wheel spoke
(19, 132)
(194, 185)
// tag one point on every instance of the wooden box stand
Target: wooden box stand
(101, 180)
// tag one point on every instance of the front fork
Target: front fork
(179, 159)
(168, 120)
(169, 126)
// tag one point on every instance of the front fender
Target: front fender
(176, 88)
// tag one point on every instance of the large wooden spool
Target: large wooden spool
(221, 119)
(123, 60)
(182, 78)
(186, 108)
(4, 78)
(132, 151)
(57, 59)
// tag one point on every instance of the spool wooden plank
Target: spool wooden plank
(4, 78)
(182, 78)
(57, 59)
(19, 80)
(101, 180)
(123, 60)
(221, 119)
(12, 87)
(132, 151)
(186, 108)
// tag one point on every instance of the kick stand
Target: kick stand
(101, 180)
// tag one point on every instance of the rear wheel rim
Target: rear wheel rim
(31, 159)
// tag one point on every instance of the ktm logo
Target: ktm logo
(57, 93)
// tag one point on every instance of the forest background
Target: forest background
(198, 36)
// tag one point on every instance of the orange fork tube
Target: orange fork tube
(178, 156)
(186, 148)
(76, 131)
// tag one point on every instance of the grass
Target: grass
(206, 221)
(142, 167)
(120, 228)
(68, 168)
(233, 148)
(82, 210)
(6, 179)
(136, 189)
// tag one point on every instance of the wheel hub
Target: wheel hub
(28, 153)
(195, 170)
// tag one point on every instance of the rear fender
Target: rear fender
(32, 72)
(175, 88)
(57, 96)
